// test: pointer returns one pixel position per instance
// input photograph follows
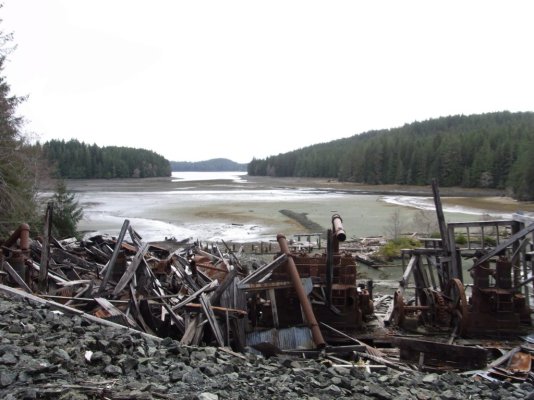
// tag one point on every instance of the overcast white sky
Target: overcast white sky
(194, 80)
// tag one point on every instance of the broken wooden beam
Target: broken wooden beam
(261, 272)
(132, 268)
(13, 292)
(212, 320)
(114, 256)
(503, 245)
(435, 354)
(15, 276)
(45, 251)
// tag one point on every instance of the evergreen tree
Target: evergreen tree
(18, 167)
(66, 212)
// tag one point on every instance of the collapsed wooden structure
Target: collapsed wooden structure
(193, 294)
(298, 301)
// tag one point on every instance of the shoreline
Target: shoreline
(264, 182)
(250, 208)
(491, 199)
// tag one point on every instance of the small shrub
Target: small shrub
(392, 249)
(460, 239)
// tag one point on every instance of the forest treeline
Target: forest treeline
(215, 164)
(77, 160)
(493, 150)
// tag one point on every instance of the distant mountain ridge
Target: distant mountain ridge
(215, 164)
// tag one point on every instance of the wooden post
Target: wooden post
(212, 320)
(441, 217)
(453, 269)
(45, 252)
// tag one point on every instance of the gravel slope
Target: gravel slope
(47, 355)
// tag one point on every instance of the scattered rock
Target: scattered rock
(49, 353)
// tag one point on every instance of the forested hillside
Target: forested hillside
(494, 150)
(77, 160)
(216, 164)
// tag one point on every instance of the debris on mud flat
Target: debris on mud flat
(155, 320)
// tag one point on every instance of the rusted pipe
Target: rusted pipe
(25, 239)
(338, 232)
(337, 227)
(301, 294)
(22, 233)
(329, 266)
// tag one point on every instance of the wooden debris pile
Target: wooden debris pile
(193, 294)
(205, 296)
(185, 293)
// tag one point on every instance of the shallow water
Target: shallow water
(215, 206)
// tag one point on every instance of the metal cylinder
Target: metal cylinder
(24, 237)
(337, 228)
(301, 294)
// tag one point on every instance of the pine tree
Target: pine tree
(17, 165)
(66, 212)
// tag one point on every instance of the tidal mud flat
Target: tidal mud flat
(234, 206)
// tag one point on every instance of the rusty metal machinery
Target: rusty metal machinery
(433, 309)
(494, 305)
(16, 256)
(329, 281)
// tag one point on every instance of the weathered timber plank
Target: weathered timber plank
(132, 268)
(114, 311)
(114, 256)
(12, 292)
(16, 277)
(212, 320)
(262, 271)
(523, 232)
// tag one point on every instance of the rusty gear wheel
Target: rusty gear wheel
(458, 305)
(443, 316)
(426, 299)
(398, 309)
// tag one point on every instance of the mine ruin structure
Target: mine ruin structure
(312, 287)
(298, 303)
(193, 294)
(492, 297)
